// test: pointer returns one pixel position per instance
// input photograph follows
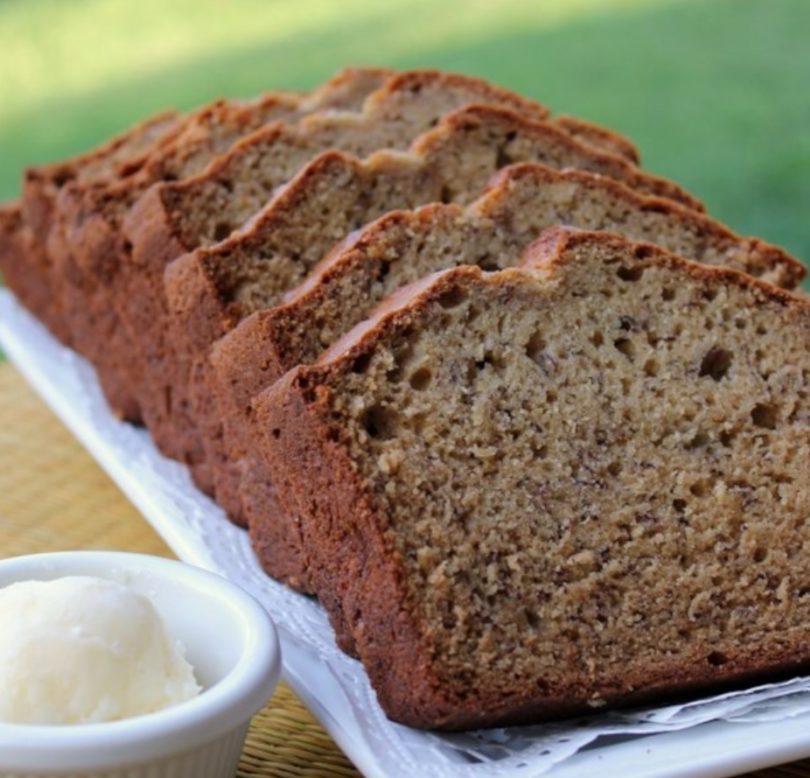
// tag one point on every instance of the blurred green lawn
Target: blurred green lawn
(715, 92)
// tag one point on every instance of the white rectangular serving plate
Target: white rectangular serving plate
(334, 686)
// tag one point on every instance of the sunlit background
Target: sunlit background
(716, 93)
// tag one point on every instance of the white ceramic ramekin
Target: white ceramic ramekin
(229, 640)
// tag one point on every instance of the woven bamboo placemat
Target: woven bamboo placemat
(53, 497)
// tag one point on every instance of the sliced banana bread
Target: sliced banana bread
(329, 198)
(173, 218)
(577, 484)
(451, 162)
(398, 249)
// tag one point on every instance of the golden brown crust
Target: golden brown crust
(761, 259)
(555, 249)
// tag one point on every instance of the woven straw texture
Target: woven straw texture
(53, 497)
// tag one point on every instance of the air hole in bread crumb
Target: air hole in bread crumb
(727, 437)
(491, 359)
(760, 554)
(446, 195)
(667, 294)
(644, 252)
(716, 363)
(740, 324)
(535, 346)
(597, 339)
(651, 368)
(625, 345)
(630, 273)
(360, 365)
(379, 422)
(532, 619)
(679, 505)
(709, 294)
(221, 231)
(716, 658)
(473, 312)
(700, 438)
(614, 468)
(699, 488)
(383, 270)
(765, 415)
(421, 378)
(276, 433)
(488, 263)
(502, 157)
(453, 297)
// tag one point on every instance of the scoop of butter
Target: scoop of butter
(80, 650)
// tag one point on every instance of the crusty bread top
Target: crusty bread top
(204, 134)
(599, 137)
(504, 201)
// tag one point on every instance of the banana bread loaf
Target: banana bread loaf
(173, 218)
(545, 490)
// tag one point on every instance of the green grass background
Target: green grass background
(716, 93)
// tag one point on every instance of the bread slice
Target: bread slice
(175, 218)
(41, 188)
(541, 491)
(399, 248)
